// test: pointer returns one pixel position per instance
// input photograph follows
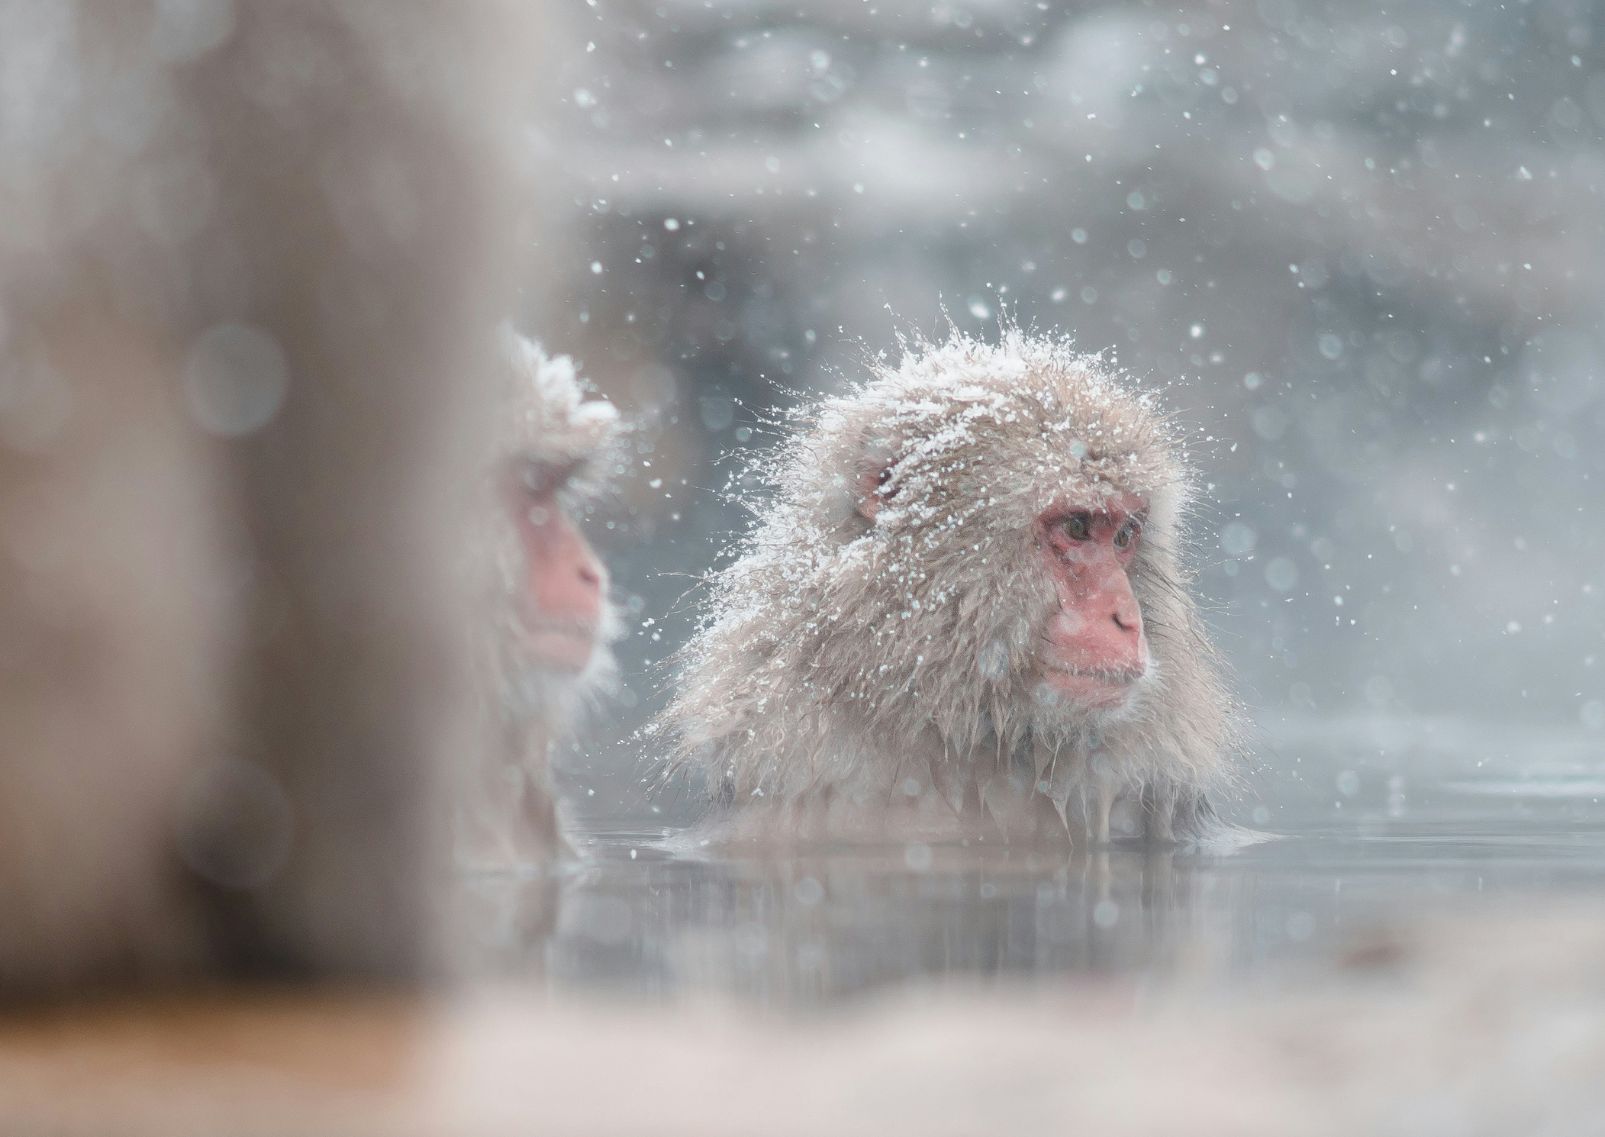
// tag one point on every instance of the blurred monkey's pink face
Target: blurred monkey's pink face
(561, 603)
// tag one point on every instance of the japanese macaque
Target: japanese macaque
(549, 618)
(964, 612)
(251, 256)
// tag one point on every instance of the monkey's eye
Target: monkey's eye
(543, 479)
(1078, 526)
(535, 480)
(1127, 534)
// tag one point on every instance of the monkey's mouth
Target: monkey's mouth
(1094, 686)
(560, 645)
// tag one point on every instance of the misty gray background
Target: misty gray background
(1360, 249)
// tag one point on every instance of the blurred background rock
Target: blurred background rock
(1360, 248)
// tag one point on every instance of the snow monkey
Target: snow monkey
(964, 612)
(251, 256)
(549, 621)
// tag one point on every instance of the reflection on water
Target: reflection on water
(1380, 820)
(799, 931)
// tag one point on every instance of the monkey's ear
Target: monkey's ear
(872, 490)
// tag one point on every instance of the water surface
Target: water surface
(797, 932)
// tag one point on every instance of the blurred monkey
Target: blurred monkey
(549, 620)
(246, 253)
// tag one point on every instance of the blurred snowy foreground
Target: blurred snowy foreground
(1485, 1028)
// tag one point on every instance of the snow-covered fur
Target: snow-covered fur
(547, 418)
(870, 677)
(549, 429)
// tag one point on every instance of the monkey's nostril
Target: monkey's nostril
(591, 575)
(1124, 622)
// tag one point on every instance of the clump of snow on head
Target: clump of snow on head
(545, 412)
(1072, 425)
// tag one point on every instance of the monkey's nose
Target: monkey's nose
(1127, 618)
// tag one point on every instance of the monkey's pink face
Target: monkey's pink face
(561, 602)
(1095, 651)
